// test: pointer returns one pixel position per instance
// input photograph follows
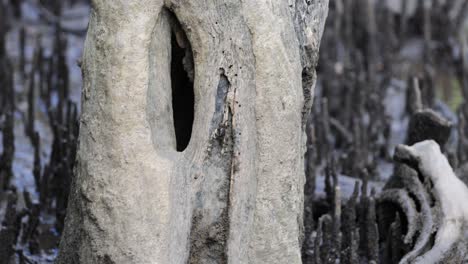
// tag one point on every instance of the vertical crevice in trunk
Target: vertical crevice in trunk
(210, 220)
(182, 72)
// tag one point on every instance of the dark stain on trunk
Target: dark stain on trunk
(210, 222)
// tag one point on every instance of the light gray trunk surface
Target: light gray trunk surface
(235, 193)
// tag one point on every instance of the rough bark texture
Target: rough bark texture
(235, 193)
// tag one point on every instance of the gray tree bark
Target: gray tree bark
(235, 193)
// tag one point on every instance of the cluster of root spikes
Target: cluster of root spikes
(397, 224)
(381, 80)
(32, 218)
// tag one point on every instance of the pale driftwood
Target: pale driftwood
(235, 194)
(441, 197)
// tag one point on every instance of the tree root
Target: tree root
(433, 200)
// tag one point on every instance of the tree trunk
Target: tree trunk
(191, 139)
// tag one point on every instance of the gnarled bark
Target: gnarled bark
(231, 190)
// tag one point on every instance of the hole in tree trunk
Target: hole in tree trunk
(182, 72)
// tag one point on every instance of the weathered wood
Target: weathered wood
(235, 193)
(442, 198)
